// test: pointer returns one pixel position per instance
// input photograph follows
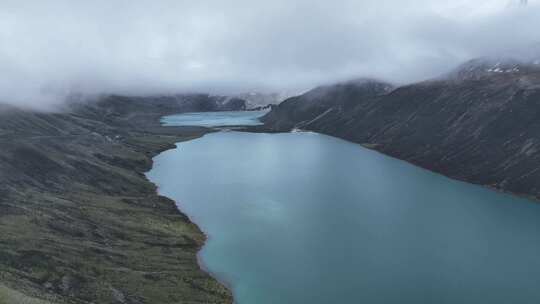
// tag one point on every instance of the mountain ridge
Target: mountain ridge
(481, 128)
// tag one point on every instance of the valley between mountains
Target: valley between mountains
(81, 224)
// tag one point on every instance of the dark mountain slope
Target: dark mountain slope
(79, 221)
(480, 124)
(300, 111)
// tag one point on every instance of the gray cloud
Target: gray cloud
(50, 48)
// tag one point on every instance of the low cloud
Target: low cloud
(53, 48)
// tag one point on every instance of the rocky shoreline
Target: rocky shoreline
(80, 221)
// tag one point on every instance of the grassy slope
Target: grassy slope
(81, 224)
(8, 295)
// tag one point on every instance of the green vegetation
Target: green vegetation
(79, 221)
(9, 296)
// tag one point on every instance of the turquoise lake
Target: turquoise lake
(307, 218)
(214, 119)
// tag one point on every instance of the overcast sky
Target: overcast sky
(49, 48)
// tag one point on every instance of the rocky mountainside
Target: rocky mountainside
(322, 102)
(480, 123)
(79, 221)
(258, 100)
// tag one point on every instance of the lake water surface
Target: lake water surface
(214, 119)
(306, 218)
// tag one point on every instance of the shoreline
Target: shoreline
(200, 261)
(206, 236)
(374, 147)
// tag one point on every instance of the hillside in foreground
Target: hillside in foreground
(80, 223)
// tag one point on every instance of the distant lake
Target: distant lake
(214, 119)
(307, 218)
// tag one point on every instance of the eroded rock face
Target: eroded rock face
(79, 221)
(480, 124)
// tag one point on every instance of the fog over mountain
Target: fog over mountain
(52, 48)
